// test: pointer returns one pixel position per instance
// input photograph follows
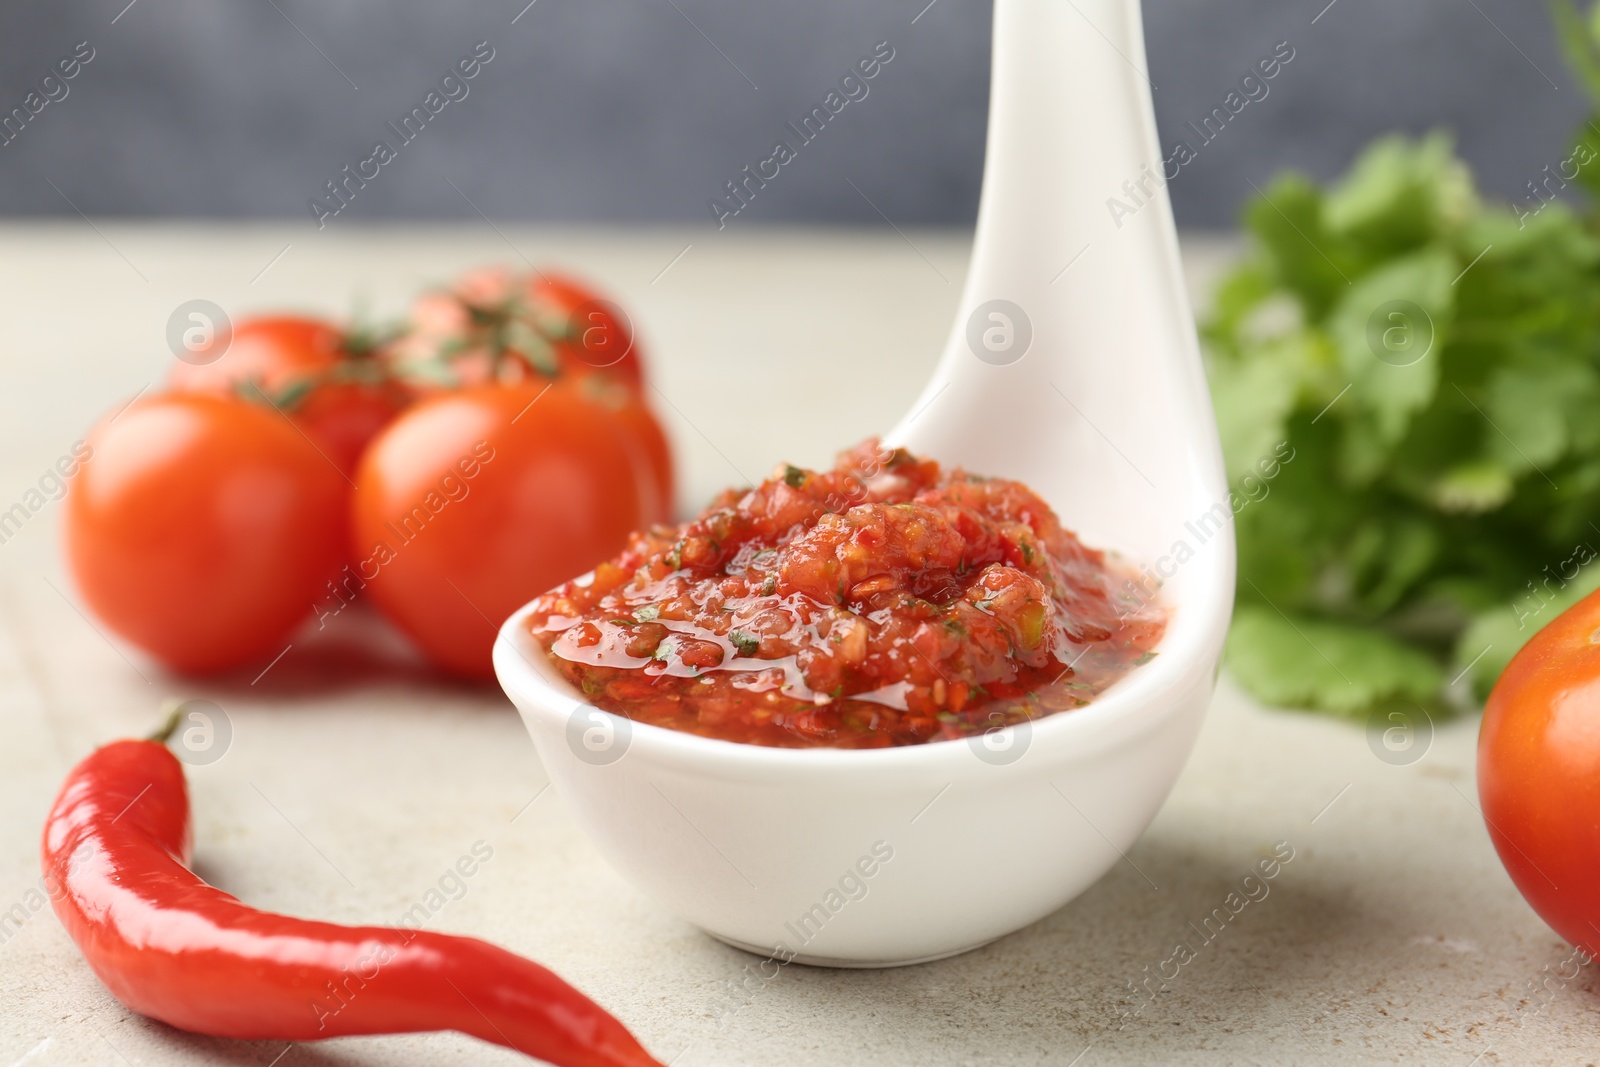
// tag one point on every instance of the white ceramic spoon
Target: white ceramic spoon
(875, 858)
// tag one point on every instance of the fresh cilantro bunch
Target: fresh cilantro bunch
(1432, 364)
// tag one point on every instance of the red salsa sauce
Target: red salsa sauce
(883, 602)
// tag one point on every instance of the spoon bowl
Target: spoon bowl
(1073, 367)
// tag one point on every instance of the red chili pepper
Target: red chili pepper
(167, 945)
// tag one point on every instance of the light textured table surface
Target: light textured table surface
(350, 786)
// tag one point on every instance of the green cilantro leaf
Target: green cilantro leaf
(1406, 381)
(1332, 667)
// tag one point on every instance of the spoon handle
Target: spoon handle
(1074, 327)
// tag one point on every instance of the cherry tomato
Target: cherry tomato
(203, 529)
(599, 335)
(493, 325)
(650, 441)
(1539, 772)
(340, 396)
(473, 502)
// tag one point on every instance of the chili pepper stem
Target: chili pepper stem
(169, 725)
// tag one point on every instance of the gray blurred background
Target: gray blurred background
(639, 110)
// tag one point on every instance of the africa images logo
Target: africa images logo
(453, 87)
(1253, 88)
(853, 87)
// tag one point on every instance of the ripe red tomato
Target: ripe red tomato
(599, 335)
(660, 488)
(1539, 772)
(473, 502)
(493, 325)
(341, 397)
(204, 529)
